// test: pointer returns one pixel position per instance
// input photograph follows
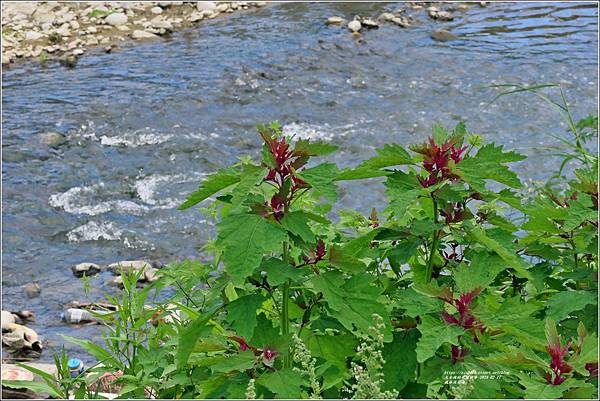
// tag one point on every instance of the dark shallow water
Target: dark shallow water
(145, 124)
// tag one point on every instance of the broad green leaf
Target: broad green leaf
(360, 246)
(251, 176)
(562, 303)
(353, 300)
(388, 156)
(480, 273)
(587, 354)
(242, 314)
(284, 383)
(214, 183)
(190, 334)
(434, 333)
(529, 332)
(314, 148)
(542, 213)
(278, 272)
(538, 388)
(246, 238)
(297, 224)
(512, 259)
(267, 335)
(341, 259)
(581, 391)
(440, 133)
(580, 211)
(488, 165)
(552, 336)
(334, 349)
(237, 362)
(321, 179)
(403, 190)
(514, 317)
(521, 358)
(400, 360)
(510, 311)
(417, 304)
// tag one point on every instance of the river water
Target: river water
(146, 123)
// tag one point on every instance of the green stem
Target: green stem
(285, 297)
(434, 243)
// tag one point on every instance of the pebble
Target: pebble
(32, 290)
(116, 19)
(222, 7)
(52, 139)
(127, 265)
(354, 26)
(436, 14)
(7, 318)
(206, 5)
(386, 17)
(156, 10)
(401, 21)
(443, 35)
(369, 23)
(195, 17)
(85, 269)
(32, 35)
(335, 20)
(138, 34)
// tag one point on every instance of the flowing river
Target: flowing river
(145, 124)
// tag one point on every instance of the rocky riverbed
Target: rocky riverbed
(97, 158)
(68, 29)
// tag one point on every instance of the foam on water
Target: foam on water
(129, 139)
(82, 200)
(134, 139)
(311, 132)
(94, 231)
(149, 189)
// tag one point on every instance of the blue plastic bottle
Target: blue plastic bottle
(75, 367)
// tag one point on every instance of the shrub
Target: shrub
(458, 288)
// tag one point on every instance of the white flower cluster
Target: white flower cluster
(368, 374)
(307, 366)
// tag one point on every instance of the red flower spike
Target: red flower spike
(271, 175)
(436, 161)
(278, 207)
(558, 365)
(465, 319)
(317, 255)
(321, 251)
(449, 318)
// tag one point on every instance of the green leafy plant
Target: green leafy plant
(459, 287)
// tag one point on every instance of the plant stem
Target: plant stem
(434, 243)
(285, 323)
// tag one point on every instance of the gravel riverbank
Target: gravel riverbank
(66, 30)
